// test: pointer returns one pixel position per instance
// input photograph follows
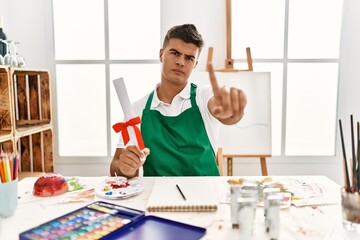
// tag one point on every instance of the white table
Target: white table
(317, 222)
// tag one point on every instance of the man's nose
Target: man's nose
(180, 62)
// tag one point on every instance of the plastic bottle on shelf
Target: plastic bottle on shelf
(3, 49)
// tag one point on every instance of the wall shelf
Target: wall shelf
(25, 117)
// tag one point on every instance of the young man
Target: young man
(179, 119)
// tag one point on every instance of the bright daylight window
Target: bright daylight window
(298, 41)
(286, 37)
(110, 39)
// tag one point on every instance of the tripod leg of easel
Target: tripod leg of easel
(263, 166)
(229, 166)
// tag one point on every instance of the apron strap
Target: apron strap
(148, 102)
(193, 94)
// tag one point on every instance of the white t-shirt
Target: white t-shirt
(180, 103)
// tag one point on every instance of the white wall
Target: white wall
(30, 22)
(210, 22)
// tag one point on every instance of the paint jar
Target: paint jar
(234, 195)
(246, 216)
(350, 207)
(253, 186)
(272, 220)
(266, 192)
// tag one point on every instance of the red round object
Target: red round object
(50, 184)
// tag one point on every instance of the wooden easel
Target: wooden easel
(230, 157)
(229, 67)
(229, 62)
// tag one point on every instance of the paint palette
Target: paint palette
(118, 188)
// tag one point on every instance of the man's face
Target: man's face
(178, 61)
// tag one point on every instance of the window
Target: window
(286, 37)
(90, 52)
(298, 41)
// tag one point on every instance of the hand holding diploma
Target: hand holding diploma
(227, 105)
(130, 160)
(134, 154)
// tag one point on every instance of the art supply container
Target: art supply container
(8, 198)
(266, 193)
(272, 220)
(246, 215)
(350, 207)
(253, 186)
(235, 194)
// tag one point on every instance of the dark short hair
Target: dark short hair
(186, 32)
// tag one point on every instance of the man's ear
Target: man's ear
(161, 54)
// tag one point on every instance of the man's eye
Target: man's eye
(190, 59)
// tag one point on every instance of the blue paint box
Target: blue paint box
(103, 220)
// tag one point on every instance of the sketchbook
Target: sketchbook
(199, 195)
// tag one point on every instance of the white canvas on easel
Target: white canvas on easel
(252, 135)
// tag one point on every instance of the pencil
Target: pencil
(16, 170)
(347, 180)
(2, 174)
(6, 169)
(182, 194)
(10, 169)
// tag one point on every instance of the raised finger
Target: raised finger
(226, 102)
(213, 81)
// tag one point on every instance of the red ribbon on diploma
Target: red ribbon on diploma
(122, 127)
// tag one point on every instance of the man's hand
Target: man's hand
(127, 161)
(227, 105)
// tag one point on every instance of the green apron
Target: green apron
(179, 145)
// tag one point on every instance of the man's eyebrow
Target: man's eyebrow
(191, 56)
(173, 49)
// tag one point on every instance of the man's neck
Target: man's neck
(166, 92)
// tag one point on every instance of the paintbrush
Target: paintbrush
(354, 178)
(347, 180)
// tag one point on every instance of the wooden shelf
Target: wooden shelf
(25, 117)
(30, 123)
(26, 131)
(5, 136)
(36, 151)
(6, 121)
(7, 145)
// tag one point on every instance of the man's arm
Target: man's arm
(227, 105)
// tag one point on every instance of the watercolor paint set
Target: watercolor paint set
(103, 220)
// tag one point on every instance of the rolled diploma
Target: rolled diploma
(123, 96)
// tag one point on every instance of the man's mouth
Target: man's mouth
(178, 72)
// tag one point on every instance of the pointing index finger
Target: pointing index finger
(213, 81)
